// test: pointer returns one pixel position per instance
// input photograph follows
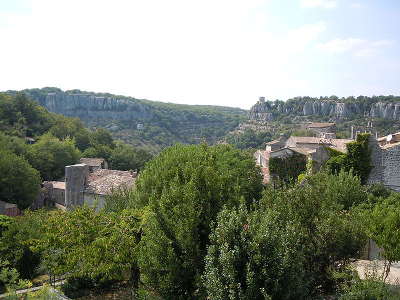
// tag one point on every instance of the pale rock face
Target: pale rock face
(267, 111)
(89, 107)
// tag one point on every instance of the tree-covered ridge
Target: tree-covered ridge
(36, 145)
(162, 124)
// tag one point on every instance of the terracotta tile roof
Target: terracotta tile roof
(104, 181)
(320, 125)
(338, 144)
(92, 162)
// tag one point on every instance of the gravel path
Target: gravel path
(367, 268)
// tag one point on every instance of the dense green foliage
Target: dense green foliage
(22, 117)
(252, 257)
(249, 139)
(19, 182)
(369, 289)
(17, 243)
(288, 246)
(357, 158)
(185, 187)
(383, 221)
(126, 157)
(287, 169)
(197, 227)
(86, 244)
(50, 156)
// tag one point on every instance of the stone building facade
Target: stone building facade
(321, 129)
(313, 148)
(85, 185)
(385, 159)
(9, 209)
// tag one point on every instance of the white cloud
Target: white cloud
(319, 3)
(358, 47)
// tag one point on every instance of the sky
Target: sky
(218, 52)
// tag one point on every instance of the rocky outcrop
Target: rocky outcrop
(268, 111)
(86, 106)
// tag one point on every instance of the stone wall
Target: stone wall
(386, 165)
(93, 200)
(75, 178)
(59, 196)
(391, 161)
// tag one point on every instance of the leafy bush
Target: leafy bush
(185, 187)
(357, 158)
(287, 247)
(368, 290)
(19, 182)
(50, 156)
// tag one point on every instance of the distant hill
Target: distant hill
(148, 124)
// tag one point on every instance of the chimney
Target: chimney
(352, 133)
(75, 180)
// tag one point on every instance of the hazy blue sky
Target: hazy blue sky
(223, 52)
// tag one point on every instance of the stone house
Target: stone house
(313, 148)
(9, 209)
(84, 185)
(321, 128)
(385, 159)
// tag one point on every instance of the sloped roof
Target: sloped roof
(304, 151)
(7, 205)
(338, 144)
(58, 184)
(274, 142)
(92, 162)
(104, 181)
(390, 145)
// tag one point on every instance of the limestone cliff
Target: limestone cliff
(335, 109)
(86, 106)
(142, 122)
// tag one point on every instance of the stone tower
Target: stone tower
(75, 180)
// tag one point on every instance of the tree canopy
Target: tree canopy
(185, 187)
(19, 182)
(50, 156)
